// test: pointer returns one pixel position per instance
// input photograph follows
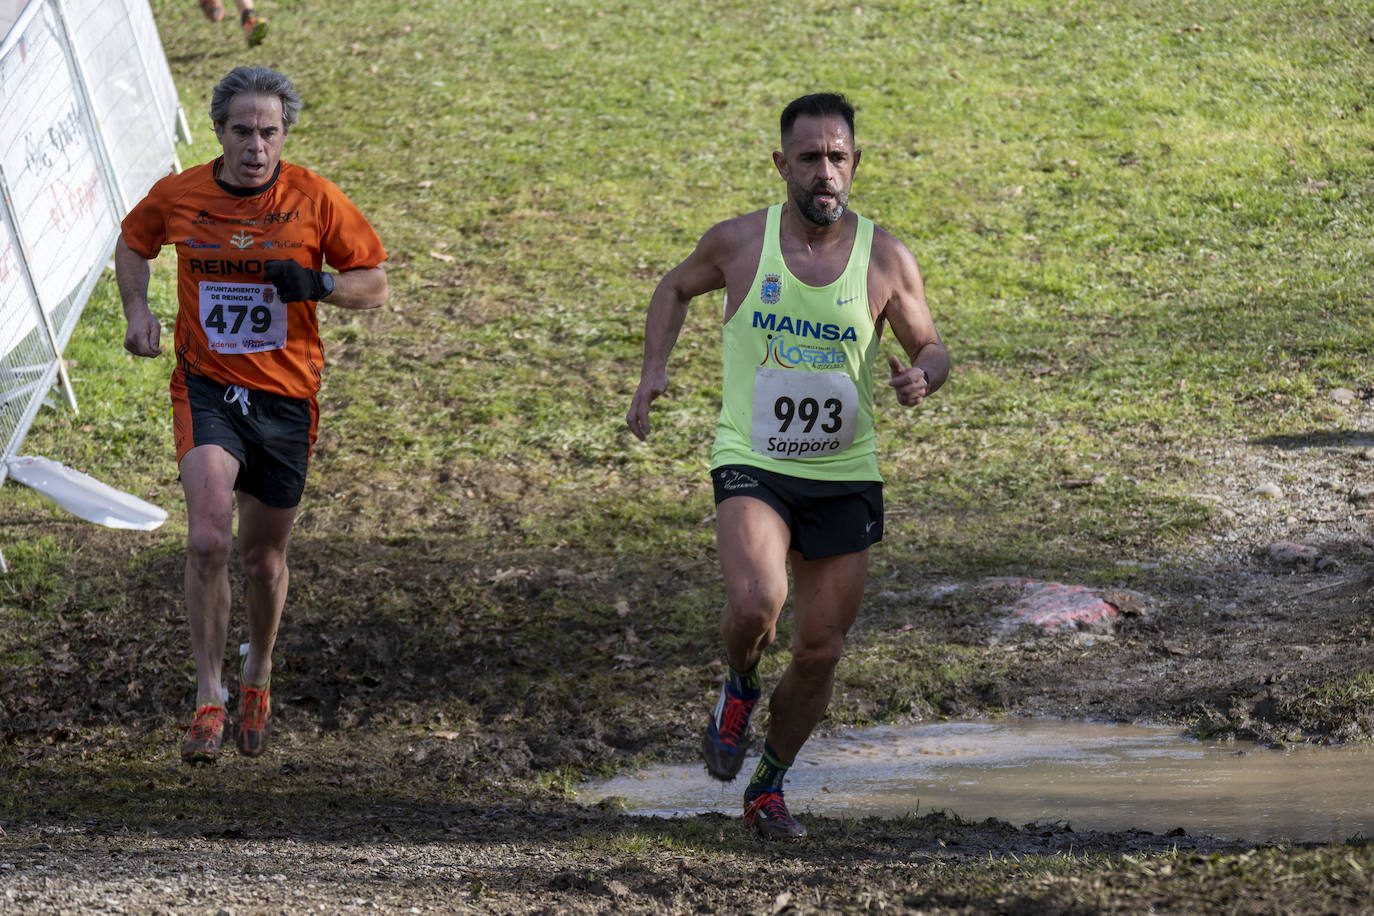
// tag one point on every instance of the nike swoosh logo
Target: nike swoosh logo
(843, 302)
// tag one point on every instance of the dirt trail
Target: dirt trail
(367, 801)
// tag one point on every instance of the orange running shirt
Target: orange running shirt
(230, 325)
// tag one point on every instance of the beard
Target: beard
(820, 215)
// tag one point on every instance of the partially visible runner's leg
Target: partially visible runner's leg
(753, 543)
(207, 477)
(826, 601)
(264, 533)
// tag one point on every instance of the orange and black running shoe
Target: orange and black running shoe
(255, 709)
(254, 27)
(205, 735)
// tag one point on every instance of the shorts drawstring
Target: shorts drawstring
(237, 394)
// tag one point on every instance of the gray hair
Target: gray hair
(255, 81)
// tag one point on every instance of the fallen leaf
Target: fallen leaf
(501, 575)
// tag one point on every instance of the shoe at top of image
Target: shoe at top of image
(254, 28)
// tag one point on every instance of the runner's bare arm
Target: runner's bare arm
(903, 298)
(361, 288)
(143, 334)
(702, 272)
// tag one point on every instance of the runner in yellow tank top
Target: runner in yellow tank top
(797, 396)
(794, 466)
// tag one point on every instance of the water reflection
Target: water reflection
(1093, 776)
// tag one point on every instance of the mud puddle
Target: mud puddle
(1092, 776)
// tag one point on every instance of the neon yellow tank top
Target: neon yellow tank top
(797, 396)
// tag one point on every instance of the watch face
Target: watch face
(327, 281)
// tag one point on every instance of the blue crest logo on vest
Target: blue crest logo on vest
(771, 290)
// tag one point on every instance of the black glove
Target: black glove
(294, 283)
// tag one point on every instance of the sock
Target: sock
(747, 683)
(768, 775)
(219, 700)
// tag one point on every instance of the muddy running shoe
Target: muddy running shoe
(254, 28)
(255, 709)
(204, 737)
(726, 740)
(766, 815)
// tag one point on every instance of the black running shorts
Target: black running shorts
(270, 436)
(826, 517)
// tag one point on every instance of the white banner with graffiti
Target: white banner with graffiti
(50, 161)
(88, 121)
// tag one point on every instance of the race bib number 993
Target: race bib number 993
(242, 317)
(801, 414)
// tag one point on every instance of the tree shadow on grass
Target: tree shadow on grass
(544, 659)
(1320, 438)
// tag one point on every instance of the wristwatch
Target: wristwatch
(326, 284)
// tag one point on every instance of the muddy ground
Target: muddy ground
(422, 759)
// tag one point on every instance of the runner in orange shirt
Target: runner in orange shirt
(252, 234)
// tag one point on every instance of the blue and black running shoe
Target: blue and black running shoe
(727, 734)
(766, 815)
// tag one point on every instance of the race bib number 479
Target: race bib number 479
(801, 414)
(242, 317)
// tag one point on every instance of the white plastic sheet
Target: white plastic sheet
(84, 496)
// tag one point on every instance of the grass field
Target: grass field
(1145, 228)
(1137, 230)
